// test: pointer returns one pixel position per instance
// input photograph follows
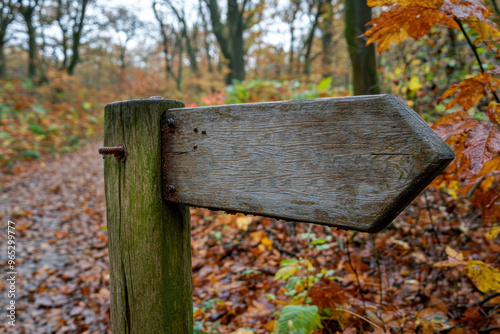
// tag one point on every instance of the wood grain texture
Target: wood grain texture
(350, 162)
(149, 239)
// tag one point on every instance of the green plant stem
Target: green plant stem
(478, 183)
(471, 45)
(379, 272)
(355, 273)
(361, 317)
(495, 7)
(477, 56)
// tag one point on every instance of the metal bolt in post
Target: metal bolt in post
(119, 151)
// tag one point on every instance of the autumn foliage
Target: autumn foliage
(58, 117)
(475, 171)
(408, 18)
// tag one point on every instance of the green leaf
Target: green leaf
(250, 272)
(86, 105)
(323, 247)
(217, 235)
(208, 304)
(299, 319)
(288, 261)
(28, 84)
(37, 129)
(53, 128)
(285, 272)
(440, 108)
(270, 296)
(290, 285)
(40, 109)
(198, 327)
(414, 84)
(319, 241)
(31, 155)
(324, 84)
(308, 235)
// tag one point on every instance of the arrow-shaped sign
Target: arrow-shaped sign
(349, 162)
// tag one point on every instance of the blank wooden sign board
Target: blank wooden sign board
(349, 162)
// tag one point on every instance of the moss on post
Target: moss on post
(149, 239)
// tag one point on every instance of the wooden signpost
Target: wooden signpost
(350, 162)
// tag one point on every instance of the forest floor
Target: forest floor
(386, 282)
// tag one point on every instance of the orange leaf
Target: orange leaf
(475, 15)
(485, 181)
(491, 213)
(415, 18)
(470, 91)
(327, 294)
(268, 243)
(487, 31)
(407, 18)
(494, 112)
(484, 277)
(482, 144)
(465, 9)
(454, 123)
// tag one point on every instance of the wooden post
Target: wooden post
(149, 239)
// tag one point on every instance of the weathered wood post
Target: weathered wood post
(149, 239)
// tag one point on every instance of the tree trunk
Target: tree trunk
(235, 27)
(238, 61)
(65, 51)
(206, 41)
(309, 41)
(291, 59)
(364, 63)
(3, 67)
(179, 64)
(230, 36)
(327, 40)
(190, 50)
(77, 35)
(31, 47)
(149, 239)
(123, 50)
(6, 18)
(495, 7)
(75, 56)
(209, 57)
(27, 13)
(294, 8)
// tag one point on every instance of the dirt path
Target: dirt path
(62, 282)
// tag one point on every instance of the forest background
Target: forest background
(435, 269)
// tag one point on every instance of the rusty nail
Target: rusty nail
(195, 147)
(171, 189)
(204, 132)
(171, 125)
(195, 130)
(119, 151)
